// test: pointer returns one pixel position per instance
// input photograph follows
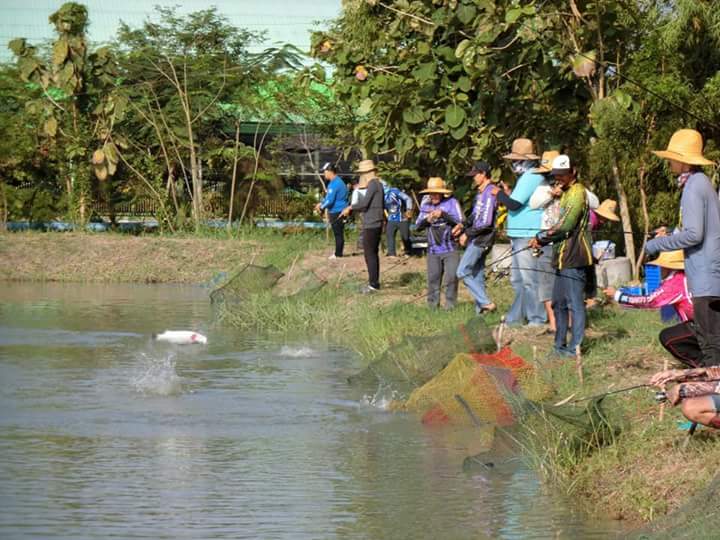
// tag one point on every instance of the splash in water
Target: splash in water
(157, 376)
(382, 399)
(297, 352)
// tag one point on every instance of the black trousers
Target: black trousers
(390, 229)
(371, 247)
(337, 224)
(707, 328)
(680, 341)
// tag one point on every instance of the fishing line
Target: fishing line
(621, 390)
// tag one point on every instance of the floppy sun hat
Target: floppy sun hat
(436, 185)
(685, 146)
(608, 210)
(546, 162)
(521, 150)
(673, 260)
(366, 166)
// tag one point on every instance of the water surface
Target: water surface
(106, 433)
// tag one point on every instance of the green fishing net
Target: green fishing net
(253, 279)
(416, 359)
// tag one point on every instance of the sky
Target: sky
(283, 20)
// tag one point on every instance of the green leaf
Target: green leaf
(461, 48)
(466, 13)
(365, 107)
(111, 153)
(446, 53)
(461, 97)
(454, 116)
(413, 116)
(50, 126)
(423, 48)
(464, 84)
(622, 99)
(513, 15)
(460, 132)
(424, 72)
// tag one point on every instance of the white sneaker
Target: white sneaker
(332, 257)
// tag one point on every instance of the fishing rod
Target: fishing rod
(598, 396)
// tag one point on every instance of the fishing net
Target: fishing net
(478, 387)
(416, 359)
(697, 518)
(252, 279)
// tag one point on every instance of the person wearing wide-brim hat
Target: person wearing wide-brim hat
(523, 223)
(679, 340)
(440, 213)
(698, 235)
(608, 210)
(371, 206)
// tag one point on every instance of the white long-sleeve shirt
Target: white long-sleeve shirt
(542, 198)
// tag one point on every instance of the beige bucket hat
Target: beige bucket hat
(521, 150)
(608, 210)
(674, 260)
(685, 146)
(436, 184)
(546, 162)
(366, 166)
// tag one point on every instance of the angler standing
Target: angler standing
(335, 202)
(399, 207)
(698, 236)
(439, 214)
(572, 256)
(371, 205)
(478, 237)
(523, 223)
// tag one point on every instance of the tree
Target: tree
(436, 84)
(76, 110)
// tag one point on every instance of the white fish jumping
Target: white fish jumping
(181, 337)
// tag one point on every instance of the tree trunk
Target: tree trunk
(624, 213)
(4, 216)
(257, 149)
(234, 174)
(646, 223)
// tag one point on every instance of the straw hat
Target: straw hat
(366, 166)
(674, 260)
(546, 161)
(521, 150)
(685, 146)
(608, 210)
(436, 185)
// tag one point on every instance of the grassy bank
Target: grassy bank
(123, 258)
(644, 472)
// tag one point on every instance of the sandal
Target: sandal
(488, 308)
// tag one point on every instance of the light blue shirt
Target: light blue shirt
(525, 223)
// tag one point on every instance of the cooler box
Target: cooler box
(603, 250)
(652, 277)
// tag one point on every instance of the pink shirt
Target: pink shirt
(673, 291)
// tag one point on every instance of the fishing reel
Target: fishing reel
(661, 397)
(537, 252)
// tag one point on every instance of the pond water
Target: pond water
(107, 433)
